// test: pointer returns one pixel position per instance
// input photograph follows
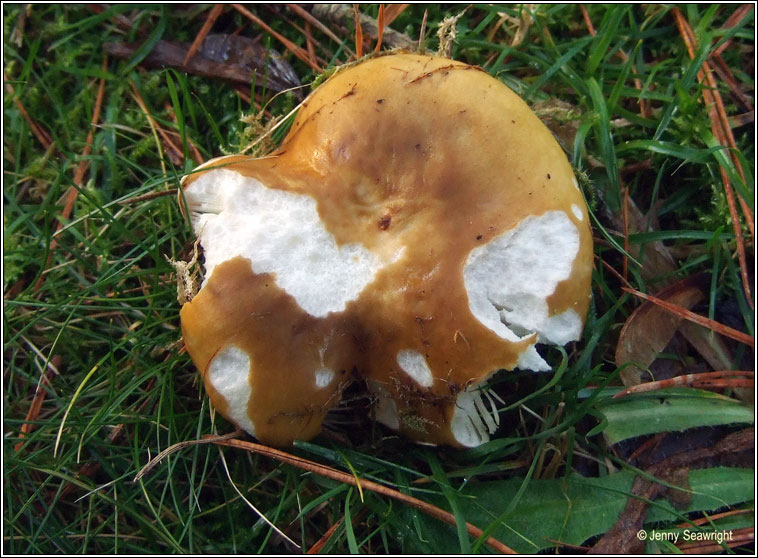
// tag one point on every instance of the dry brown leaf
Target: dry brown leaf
(658, 261)
(230, 57)
(650, 328)
(708, 343)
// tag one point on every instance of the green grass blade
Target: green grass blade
(352, 544)
(605, 34)
(669, 410)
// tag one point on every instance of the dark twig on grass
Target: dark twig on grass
(316, 548)
(174, 150)
(289, 45)
(39, 397)
(309, 41)
(380, 29)
(181, 445)
(204, 30)
(309, 18)
(698, 319)
(352, 480)
(730, 22)
(358, 32)
(175, 153)
(392, 11)
(42, 135)
(587, 20)
(723, 133)
(720, 67)
(613, 271)
(194, 151)
(343, 13)
(230, 440)
(645, 110)
(738, 537)
(81, 169)
(719, 378)
(422, 33)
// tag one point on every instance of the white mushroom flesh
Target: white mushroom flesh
(385, 408)
(229, 374)
(281, 233)
(324, 377)
(473, 422)
(414, 364)
(509, 279)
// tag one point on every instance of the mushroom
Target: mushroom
(419, 227)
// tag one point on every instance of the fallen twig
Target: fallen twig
(230, 440)
(81, 169)
(39, 397)
(204, 30)
(723, 133)
(703, 379)
(698, 319)
(289, 45)
(309, 18)
(343, 13)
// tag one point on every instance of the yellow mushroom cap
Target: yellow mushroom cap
(418, 225)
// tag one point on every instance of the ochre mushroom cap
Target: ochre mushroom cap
(419, 227)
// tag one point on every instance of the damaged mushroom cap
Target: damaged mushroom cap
(275, 378)
(418, 225)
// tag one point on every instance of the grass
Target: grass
(94, 371)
